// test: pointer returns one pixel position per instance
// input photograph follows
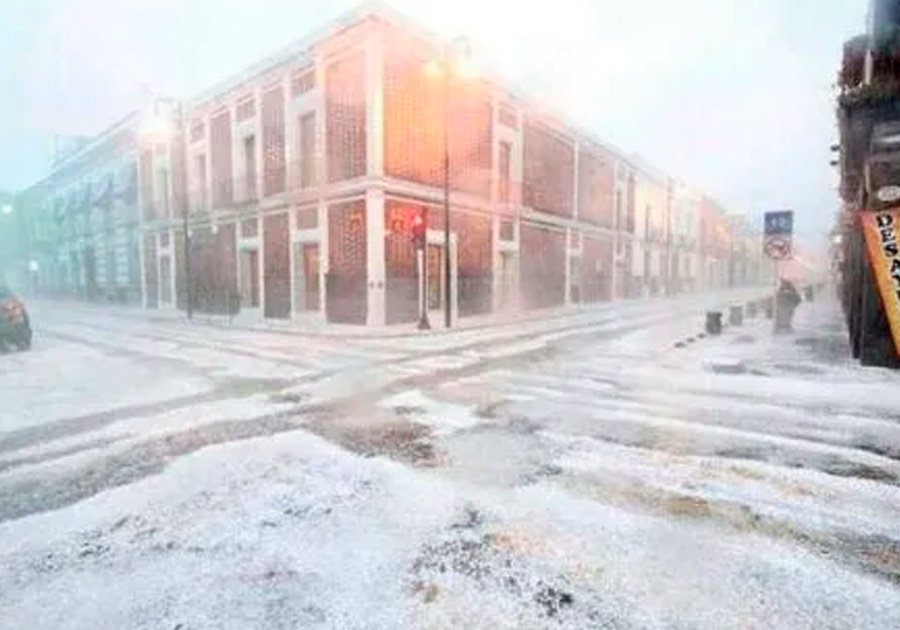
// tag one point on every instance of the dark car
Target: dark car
(15, 329)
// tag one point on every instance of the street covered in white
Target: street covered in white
(600, 468)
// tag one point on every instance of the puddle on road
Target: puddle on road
(407, 442)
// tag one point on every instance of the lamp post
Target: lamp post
(453, 61)
(668, 278)
(447, 287)
(188, 303)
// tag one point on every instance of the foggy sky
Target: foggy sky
(736, 97)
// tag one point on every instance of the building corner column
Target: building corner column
(374, 101)
(375, 266)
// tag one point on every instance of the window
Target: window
(197, 129)
(307, 219)
(507, 231)
(548, 175)
(620, 220)
(220, 159)
(595, 188)
(630, 220)
(249, 228)
(245, 110)
(273, 141)
(345, 118)
(307, 129)
(250, 167)
(508, 117)
(200, 178)
(504, 171)
(146, 180)
(162, 181)
(302, 82)
(163, 240)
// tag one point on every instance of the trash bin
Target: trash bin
(786, 301)
(736, 315)
(714, 322)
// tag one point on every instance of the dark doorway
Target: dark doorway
(277, 266)
(346, 290)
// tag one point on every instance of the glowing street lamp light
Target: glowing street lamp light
(455, 61)
(7, 208)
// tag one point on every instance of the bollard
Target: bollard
(770, 308)
(736, 316)
(751, 310)
(714, 322)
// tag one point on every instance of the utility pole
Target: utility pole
(731, 223)
(447, 284)
(668, 278)
(189, 307)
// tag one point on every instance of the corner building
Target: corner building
(297, 183)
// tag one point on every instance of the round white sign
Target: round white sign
(888, 194)
(778, 248)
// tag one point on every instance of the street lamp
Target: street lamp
(455, 60)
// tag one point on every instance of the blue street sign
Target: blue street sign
(780, 223)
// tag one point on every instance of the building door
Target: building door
(90, 272)
(306, 277)
(507, 279)
(311, 276)
(346, 295)
(165, 281)
(151, 277)
(436, 283)
(276, 266)
(250, 278)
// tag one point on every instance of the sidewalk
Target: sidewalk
(571, 315)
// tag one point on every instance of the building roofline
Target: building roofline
(380, 10)
(93, 143)
(286, 54)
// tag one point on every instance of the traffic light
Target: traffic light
(418, 229)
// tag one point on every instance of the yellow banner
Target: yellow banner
(882, 231)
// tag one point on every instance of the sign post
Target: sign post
(778, 232)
